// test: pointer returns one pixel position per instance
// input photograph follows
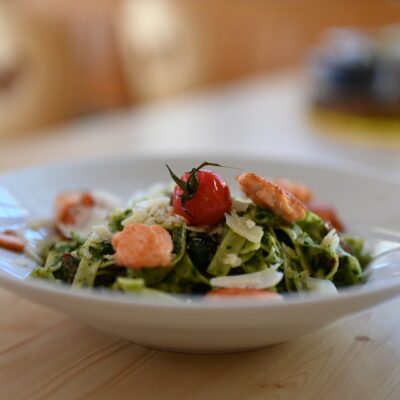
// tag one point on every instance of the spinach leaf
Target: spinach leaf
(184, 278)
(256, 263)
(321, 261)
(116, 217)
(262, 216)
(107, 276)
(67, 269)
(154, 276)
(201, 249)
(179, 235)
(349, 271)
(356, 248)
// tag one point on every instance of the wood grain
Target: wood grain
(45, 355)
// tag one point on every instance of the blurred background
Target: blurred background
(67, 60)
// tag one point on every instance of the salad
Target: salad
(196, 238)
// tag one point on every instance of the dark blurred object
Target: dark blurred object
(357, 71)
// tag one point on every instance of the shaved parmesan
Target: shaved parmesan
(256, 280)
(233, 260)
(240, 205)
(99, 234)
(244, 227)
(155, 211)
(331, 240)
(322, 287)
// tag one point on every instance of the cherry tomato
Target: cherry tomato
(210, 202)
(327, 213)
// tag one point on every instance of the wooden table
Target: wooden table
(47, 355)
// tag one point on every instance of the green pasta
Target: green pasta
(252, 245)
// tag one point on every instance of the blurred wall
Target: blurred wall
(98, 54)
(242, 37)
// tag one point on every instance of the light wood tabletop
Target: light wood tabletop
(47, 355)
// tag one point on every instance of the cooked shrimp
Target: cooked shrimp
(269, 195)
(70, 205)
(9, 240)
(79, 211)
(139, 246)
(299, 190)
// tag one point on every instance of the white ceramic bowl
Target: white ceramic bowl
(363, 196)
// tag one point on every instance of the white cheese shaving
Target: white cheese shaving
(240, 205)
(244, 227)
(257, 280)
(85, 220)
(250, 224)
(156, 211)
(233, 260)
(211, 230)
(322, 287)
(99, 234)
(331, 240)
(102, 232)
